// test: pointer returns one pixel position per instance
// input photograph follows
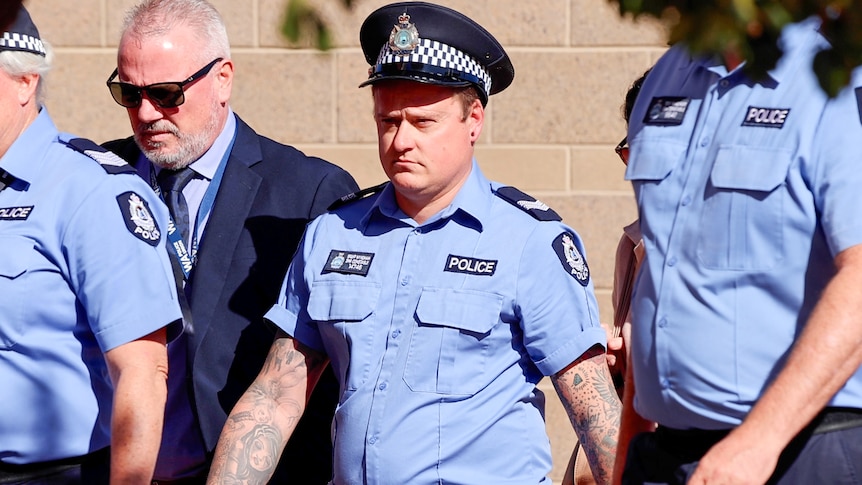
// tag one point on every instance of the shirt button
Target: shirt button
(382, 386)
(704, 142)
(664, 384)
(662, 323)
(396, 333)
(404, 281)
(671, 261)
(686, 200)
(372, 440)
(724, 83)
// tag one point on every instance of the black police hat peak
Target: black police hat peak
(22, 35)
(429, 43)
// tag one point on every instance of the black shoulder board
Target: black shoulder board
(356, 196)
(107, 159)
(527, 204)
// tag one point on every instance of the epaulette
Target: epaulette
(356, 196)
(527, 204)
(107, 159)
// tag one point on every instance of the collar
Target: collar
(21, 157)
(471, 204)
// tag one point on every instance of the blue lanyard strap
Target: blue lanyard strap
(184, 257)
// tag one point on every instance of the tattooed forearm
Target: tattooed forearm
(587, 392)
(265, 416)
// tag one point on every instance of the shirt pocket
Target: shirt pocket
(19, 256)
(450, 345)
(742, 222)
(343, 312)
(652, 160)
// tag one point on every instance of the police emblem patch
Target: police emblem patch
(138, 218)
(572, 260)
(666, 111)
(348, 262)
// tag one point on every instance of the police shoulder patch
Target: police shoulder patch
(572, 260)
(353, 197)
(138, 218)
(527, 204)
(107, 159)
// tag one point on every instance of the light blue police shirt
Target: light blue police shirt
(83, 270)
(746, 191)
(439, 333)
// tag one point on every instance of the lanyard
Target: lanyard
(177, 246)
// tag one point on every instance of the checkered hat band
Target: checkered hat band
(21, 42)
(442, 56)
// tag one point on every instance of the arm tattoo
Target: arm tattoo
(587, 392)
(263, 419)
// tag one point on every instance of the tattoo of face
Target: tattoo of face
(257, 454)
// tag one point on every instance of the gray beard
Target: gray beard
(190, 146)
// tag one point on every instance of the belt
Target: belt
(694, 443)
(11, 473)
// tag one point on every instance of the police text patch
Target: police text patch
(473, 266)
(348, 262)
(572, 260)
(666, 111)
(765, 117)
(15, 213)
(138, 218)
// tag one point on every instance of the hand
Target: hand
(616, 356)
(736, 460)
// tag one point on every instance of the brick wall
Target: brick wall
(551, 133)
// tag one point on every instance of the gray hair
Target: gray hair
(21, 63)
(152, 18)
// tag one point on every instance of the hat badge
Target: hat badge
(404, 36)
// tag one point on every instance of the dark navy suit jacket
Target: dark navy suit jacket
(268, 194)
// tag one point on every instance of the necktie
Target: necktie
(171, 183)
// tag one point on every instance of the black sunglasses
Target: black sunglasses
(166, 95)
(622, 149)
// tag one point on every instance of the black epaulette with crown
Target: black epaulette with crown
(107, 159)
(527, 204)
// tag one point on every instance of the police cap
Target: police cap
(433, 44)
(22, 35)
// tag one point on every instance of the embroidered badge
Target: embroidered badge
(666, 111)
(15, 213)
(766, 117)
(107, 159)
(404, 36)
(571, 258)
(348, 262)
(139, 220)
(472, 266)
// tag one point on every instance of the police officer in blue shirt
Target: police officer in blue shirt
(87, 292)
(747, 335)
(440, 298)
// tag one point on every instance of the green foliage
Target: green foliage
(750, 29)
(302, 21)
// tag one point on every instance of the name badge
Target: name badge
(15, 213)
(473, 266)
(348, 262)
(667, 111)
(766, 117)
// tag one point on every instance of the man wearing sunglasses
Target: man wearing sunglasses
(239, 203)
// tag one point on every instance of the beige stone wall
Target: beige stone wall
(550, 134)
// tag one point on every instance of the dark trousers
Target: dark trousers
(91, 469)
(829, 451)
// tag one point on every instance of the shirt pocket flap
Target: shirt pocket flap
(654, 159)
(12, 267)
(747, 168)
(472, 311)
(329, 301)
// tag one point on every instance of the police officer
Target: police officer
(746, 334)
(440, 298)
(87, 292)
